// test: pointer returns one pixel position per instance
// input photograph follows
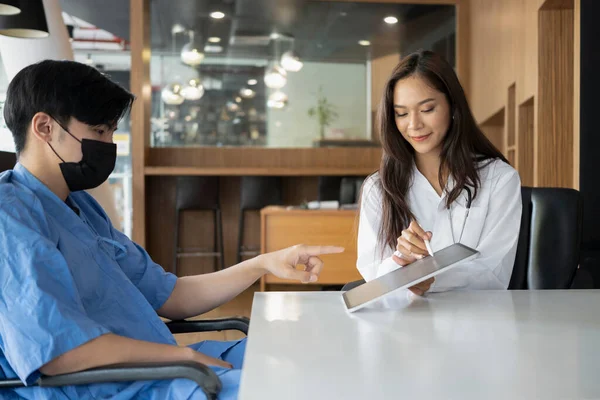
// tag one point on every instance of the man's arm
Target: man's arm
(179, 298)
(112, 349)
(195, 295)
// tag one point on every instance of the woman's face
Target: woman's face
(422, 114)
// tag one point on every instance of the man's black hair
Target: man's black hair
(63, 89)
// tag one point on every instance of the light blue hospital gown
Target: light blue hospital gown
(67, 279)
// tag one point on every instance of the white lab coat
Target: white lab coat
(492, 228)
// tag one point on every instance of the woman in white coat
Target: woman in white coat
(441, 180)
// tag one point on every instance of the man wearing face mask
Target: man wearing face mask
(76, 293)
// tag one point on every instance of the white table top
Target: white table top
(459, 345)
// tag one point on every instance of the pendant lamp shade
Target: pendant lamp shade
(9, 7)
(191, 53)
(29, 23)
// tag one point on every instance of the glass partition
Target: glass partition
(280, 74)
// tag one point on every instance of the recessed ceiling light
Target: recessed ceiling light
(252, 82)
(217, 14)
(214, 39)
(390, 20)
(364, 42)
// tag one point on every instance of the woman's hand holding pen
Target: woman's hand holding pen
(414, 245)
(412, 242)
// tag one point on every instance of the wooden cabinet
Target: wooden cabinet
(281, 228)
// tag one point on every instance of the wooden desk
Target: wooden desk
(281, 228)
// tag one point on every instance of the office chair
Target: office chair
(548, 252)
(205, 377)
(7, 160)
(329, 188)
(549, 243)
(350, 188)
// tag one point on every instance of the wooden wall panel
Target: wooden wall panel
(525, 144)
(140, 114)
(510, 115)
(244, 158)
(576, 95)
(493, 128)
(381, 69)
(555, 98)
(463, 44)
(508, 47)
(557, 5)
(502, 51)
(511, 156)
(160, 219)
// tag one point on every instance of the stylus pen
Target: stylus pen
(428, 247)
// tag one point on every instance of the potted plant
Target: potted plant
(324, 112)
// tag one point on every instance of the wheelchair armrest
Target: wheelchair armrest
(205, 377)
(207, 325)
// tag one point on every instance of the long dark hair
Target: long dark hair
(463, 148)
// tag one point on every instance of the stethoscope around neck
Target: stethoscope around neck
(462, 229)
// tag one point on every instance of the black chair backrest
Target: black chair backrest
(197, 193)
(7, 161)
(350, 189)
(257, 192)
(549, 239)
(329, 188)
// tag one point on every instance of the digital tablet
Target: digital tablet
(408, 276)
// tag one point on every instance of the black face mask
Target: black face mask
(96, 165)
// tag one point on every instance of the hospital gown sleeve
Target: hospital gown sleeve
(150, 278)
(41, 314)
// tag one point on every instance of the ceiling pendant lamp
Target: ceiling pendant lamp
(190, 53)
(247, 93)
(276, 77)
(30, 23)
(10, 7)
(277, 100)
(193, 90)
(290, 61)
(171, 95)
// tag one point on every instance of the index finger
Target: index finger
(416, 228)
(316, 250)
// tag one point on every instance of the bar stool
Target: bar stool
(256, 192)
(199, 193)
